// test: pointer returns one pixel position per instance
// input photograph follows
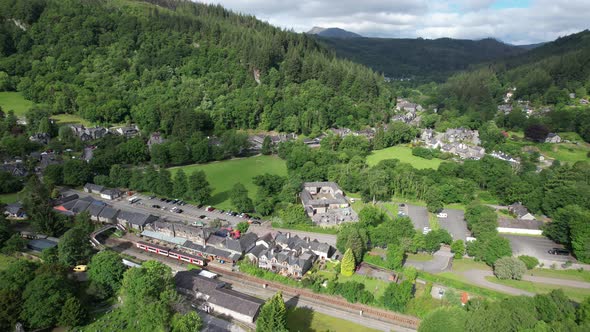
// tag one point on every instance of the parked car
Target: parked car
(151, 197)
(162, 199)
(202, 216)
(559, 251)
(199, 206)
(80, 268)
(254, 222)
(156, 206)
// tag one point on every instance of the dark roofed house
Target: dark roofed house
(80, 206)
(217, 297)
(108, 215)
(15, 211)
(110, 193)
(94, 210)
(520, 211)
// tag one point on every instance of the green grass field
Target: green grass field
(576, 294)
(306, 320)
(9, 198)
(64, 119)
(404, 154)
(224, 174)
(566, 152)
(16, 102)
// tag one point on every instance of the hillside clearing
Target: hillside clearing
(404, 154)
(223, 175)
(14, 101)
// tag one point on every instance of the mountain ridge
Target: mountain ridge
(332, 33)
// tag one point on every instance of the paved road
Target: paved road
(439, 263)
(478, 277)
(536, 246)
(455, 224)
(418, 214)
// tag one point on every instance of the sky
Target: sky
(512, 21)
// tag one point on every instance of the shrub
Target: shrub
(509, 268)
(529, 261)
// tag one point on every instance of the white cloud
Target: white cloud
(471, 19)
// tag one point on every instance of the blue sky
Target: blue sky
(512, 21)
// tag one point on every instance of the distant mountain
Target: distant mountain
(531, 46)
(420, 59)
(332, 33)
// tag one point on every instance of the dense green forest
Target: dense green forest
(420, 59)
(178, 66)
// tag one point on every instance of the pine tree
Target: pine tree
(273, 315)
(72, 312)
(348, 264)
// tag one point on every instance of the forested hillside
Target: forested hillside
(179, 67)
(420, 59)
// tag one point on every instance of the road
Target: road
(536, 246)
(478, 277)
(455, 224)
(123, 246)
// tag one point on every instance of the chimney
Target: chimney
(288, 235)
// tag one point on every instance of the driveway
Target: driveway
(440, 262)
(455, 224)
(536, 246)
(418, 214)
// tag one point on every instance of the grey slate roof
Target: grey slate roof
(95, 209)
(218, 294)
(13, 208)
(93, 187)
(80, 206)
(108, 213)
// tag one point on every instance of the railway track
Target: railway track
(332, 301)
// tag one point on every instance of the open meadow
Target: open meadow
(14, 101)
(404, 154)
(222, 175)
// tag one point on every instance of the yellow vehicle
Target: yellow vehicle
(80, 268)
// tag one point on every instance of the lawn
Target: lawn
(576, 294)
(15, 101)
(566, 152)
(9, 198)
(223, 175)
(64, 119)
(373, 285)
(404, 154)
(307, 320)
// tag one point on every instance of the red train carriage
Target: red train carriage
(169, 253)
(187, 258)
